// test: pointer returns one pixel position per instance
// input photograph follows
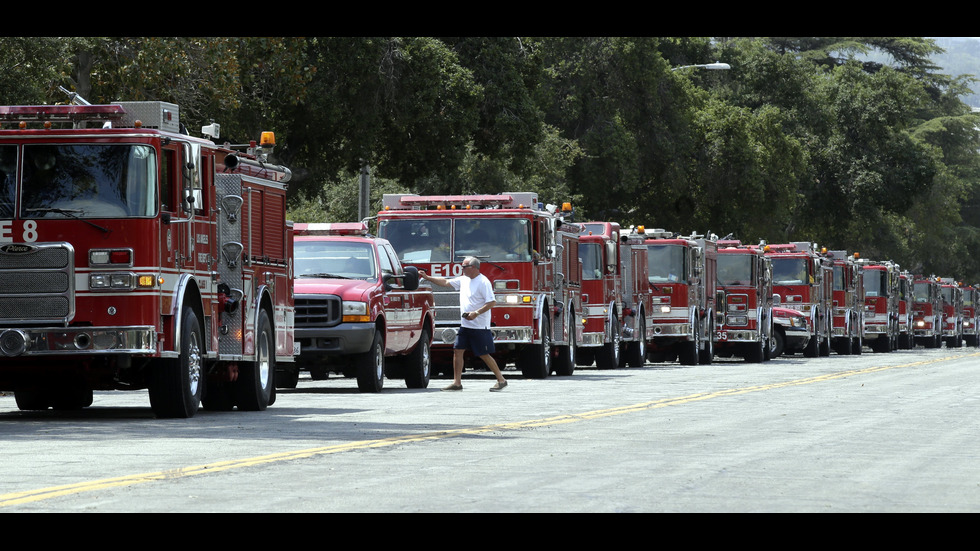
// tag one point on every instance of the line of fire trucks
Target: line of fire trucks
(134, 256)
(596, 293)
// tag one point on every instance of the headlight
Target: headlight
(355, 311)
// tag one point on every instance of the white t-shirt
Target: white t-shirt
(473, 294)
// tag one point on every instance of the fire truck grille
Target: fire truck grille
(36, 284)
(446, 305)
(318, 310)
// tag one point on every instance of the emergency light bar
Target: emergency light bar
(335, 228)
(507, 200)
(61, 113)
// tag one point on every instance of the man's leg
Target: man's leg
(458, 366)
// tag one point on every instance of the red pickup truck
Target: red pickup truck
(358, 311)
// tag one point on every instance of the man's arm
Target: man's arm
(441, 281)
(480, 310)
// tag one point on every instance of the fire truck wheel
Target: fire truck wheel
(584, 357)
(371, 366)
(535, 359)
(28, 400)
(707, 355)
(255, 388)
(418, 364)
(756, 352)
(608, 355)
(176, 385)
(688, 351)
(567, 356)
(856, 345)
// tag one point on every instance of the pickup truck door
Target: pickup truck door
(397, 303)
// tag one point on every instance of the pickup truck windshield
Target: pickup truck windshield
(334, 259)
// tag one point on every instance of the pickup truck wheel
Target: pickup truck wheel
(778, 342)
(256, 387)
(371, 366)
(176, 384)
(287, 377)
(418, 364)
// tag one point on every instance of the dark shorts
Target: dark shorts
(477, 341)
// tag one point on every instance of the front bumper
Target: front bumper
(70, 341)
(339, 340)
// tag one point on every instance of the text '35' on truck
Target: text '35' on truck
(133, 256)
(358, 312)
(528, 251)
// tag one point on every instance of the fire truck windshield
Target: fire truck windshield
(735, 269)
(334, 259)
(921, 292)
(88, 181)
(591, 255)
(948, 295)
(789, 271)
(448, 239)
(667, 263)
(875, 283)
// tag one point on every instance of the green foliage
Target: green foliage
(859, 143)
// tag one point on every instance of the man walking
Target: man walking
(475, 301)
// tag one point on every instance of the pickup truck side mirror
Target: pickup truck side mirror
(410, 280)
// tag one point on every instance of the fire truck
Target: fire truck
(881, 304)
(927, 308)
(848, 323)
(683, 278)
(952, 312)
(358, 312)
(135, 256)
(616, 297)
(529, 252)
(971, 296)
(803, 280)
(906, 337)
(745, 303)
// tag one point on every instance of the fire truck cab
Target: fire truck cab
(848, 325)
(927, 308)
(881, 304)
(744, 303)
(358, 311)
(952, 312)
(136, 256)
(803, 280)
(683, 279)
(615, 296)
(971, 295)
(527, 250)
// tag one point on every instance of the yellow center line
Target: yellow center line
(17, 498)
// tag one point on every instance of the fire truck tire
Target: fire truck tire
(584, 357)
(176, 385)
(707, 355)
(535, 359)
(636, 351)
(418, 364)
(689, 351)
(608, 356)
(31, 400)
(812, 348)
(567, 356)
(371, 366)
(62, 399)
(857, 344)
(256, 387)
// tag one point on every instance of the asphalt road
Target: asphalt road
(890, 432)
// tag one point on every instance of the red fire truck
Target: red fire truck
(971, 295)
(358, 312)
(616, 297)
(527, 250)
(848, 303)
(135, 256)
(803, 279)
(927, 308)
(745, 303)
(683, 278)
(881, 304)
(906, 333)
(952, 312)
